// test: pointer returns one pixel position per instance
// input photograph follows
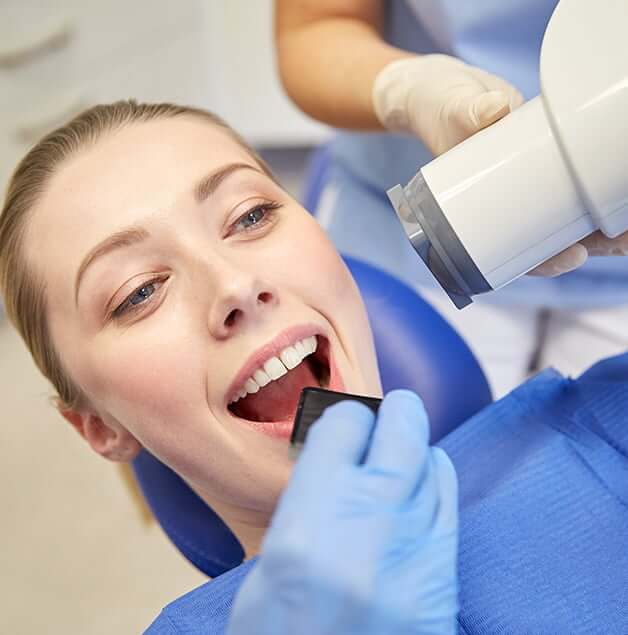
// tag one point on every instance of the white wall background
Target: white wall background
(56, 58)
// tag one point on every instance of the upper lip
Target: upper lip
(256, 360)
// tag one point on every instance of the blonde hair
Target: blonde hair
(24, 292)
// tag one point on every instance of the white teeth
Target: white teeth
(251, 386)
(261, 377)
(290, 357)
(310, 344)
(276, 367)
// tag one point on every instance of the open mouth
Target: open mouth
(272, 392)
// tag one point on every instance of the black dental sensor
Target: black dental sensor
(311, 405)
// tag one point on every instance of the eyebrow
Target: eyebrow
(123, 238)
(210, 183)
(134, 235)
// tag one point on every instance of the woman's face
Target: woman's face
(179, 278)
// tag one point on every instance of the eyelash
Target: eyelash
(269, 209)
(126, 307)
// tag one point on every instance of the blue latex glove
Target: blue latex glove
(364, 538)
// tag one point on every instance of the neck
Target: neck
(249, 526)
(249, 533)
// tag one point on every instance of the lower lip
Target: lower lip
(283, 429)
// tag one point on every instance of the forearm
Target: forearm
(328, 62)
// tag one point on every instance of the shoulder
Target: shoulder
(549, 406)
(543, 503)
(205, 609)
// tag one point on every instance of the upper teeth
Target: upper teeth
(277, 367)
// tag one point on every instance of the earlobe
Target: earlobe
(113, 442)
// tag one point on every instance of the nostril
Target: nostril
(232, 318)
(264, 297)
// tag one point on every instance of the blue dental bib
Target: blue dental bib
(543, 515)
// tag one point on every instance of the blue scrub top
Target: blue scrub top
(503, 37)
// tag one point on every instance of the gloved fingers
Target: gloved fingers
(397, 455)
(433, 506)
(423, 502)
(488, 108)
(597, 244)
(492, 83)
(567, 260)
(447, 518)
(340, 437)
(484, 100)
(471, 110)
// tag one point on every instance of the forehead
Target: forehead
(142, 164)
(138, 170)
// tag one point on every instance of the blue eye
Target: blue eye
(137, 298)
(255, 217)
(142, 294)
(252, 218)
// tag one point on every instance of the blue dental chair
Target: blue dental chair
(416, 349)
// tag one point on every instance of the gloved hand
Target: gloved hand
(597, 244)
(443, 101)
(440, 99)
(364, 538)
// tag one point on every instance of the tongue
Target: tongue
(278, 400)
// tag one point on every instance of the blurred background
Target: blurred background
(76, 555)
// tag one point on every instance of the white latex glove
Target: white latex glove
(442, 100)
(597, 244)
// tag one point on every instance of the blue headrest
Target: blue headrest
(416, 349)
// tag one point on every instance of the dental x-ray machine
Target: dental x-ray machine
(542, 178)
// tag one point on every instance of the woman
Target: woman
(170, 289)
(179, 300)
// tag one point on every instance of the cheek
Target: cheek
(331, 288)
(327, 280)
(313, 270)
(155, 385)
(307, 259)
(148, 378)
(162, 401)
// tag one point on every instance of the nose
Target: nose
(240, 298)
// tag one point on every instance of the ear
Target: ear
(110, 440)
